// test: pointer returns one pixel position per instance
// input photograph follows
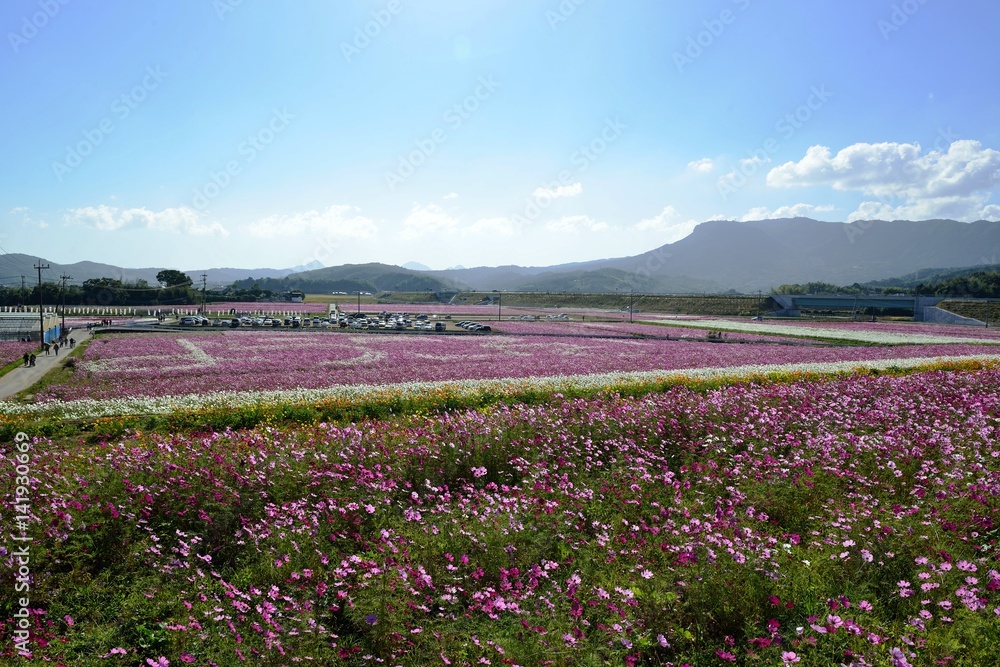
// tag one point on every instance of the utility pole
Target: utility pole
(41, 303)
(204, 308)
(499, 306)
(359, 302)
(23, 293)
(62, 327)
(630, 302)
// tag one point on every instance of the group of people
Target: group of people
(29, 359)
(54, 347)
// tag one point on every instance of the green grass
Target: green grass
(62, 371)
(17, 363)
(973, 309)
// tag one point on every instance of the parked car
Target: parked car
(234, 323)
(188, 321)
(439, 326)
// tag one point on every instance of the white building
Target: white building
(18, 326)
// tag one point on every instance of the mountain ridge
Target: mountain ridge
(718, 256)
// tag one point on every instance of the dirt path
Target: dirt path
(21, 378)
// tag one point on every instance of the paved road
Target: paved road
(21, 378)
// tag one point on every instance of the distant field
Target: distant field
(694, 304)
(196, 362)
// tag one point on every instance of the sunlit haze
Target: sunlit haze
(196, 134)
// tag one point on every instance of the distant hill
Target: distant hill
(416, 266)
(613, 280)
(762, 254)
(932, 276)
(13, 265)
(721, 255)
(372, 277)
(718, 256)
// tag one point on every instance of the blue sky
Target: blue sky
(252, 133)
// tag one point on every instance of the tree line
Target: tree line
(978, 284)
(174, 288)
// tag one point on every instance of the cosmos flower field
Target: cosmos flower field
(12, 350)
(181, 363)
(835, 517)
(850, 521)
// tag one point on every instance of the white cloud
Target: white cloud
(750, 163)
(896, 170)
(571, 190)
(669, 222)
(953, 208)
(428, 219)
(493, 227)
(574, 224)
(702, 166)
(26, 218)
(182, 220)
(794, 211)
(908, 183)
(336, 222)
(450, 195)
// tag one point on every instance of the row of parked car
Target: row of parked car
(393, 321)
(294, 322)
(396, 321)
(473, 326)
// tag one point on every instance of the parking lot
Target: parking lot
(383, 321)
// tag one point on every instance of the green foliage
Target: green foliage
(173, 278)
(822, 288)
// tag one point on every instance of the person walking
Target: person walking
(31, 359)
(26, 359)
(55, 346)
